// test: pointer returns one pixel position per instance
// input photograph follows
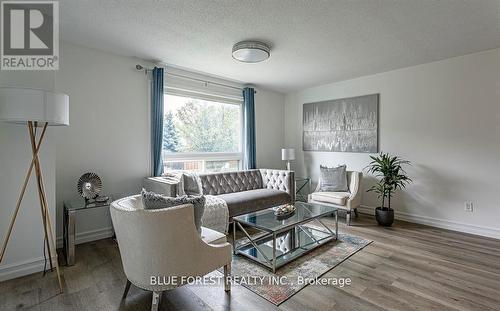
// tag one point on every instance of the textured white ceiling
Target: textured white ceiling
(313, 41)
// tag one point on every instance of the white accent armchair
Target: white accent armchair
(348, 201)
(164, 243)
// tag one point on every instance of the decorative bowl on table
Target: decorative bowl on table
(284, 210)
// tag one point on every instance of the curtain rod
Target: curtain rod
(140, 68)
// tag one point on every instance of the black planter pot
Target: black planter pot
(385, 217)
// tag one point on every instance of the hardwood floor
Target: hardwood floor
(407, 267)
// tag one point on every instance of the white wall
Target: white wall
(108, 132)
(445, 118)
(24, 254)
(269, 123)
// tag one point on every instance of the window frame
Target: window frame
(207, 156)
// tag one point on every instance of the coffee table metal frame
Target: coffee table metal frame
(270, 263)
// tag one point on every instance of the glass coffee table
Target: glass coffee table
(284, 239)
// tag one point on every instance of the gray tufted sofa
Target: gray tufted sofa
(250, 190)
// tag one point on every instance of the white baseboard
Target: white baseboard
(88, 236)
(22, 268)
(33, 265)
(439, 223)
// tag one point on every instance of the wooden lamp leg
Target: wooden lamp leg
(43, 208)
(35, 162)
(44, 204)
(19, 200)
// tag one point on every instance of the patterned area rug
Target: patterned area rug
(310, 266)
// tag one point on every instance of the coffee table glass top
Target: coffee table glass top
(302, 179)
(266, 220)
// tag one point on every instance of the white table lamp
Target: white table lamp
(288, 154)
(35, 108)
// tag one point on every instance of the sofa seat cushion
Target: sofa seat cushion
(338, 198)
(213, 237)
(244, 202)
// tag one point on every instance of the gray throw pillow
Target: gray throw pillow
(333, 179)
(151, 200)
(192, 184)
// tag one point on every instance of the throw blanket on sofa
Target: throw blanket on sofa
(216, 216)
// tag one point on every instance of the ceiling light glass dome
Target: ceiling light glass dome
(251, 51)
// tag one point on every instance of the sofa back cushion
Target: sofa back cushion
(229, 182)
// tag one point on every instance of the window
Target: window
(201, 135)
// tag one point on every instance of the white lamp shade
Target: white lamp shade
(287, 154)
(19, 105)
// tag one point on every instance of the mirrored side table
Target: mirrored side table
(71, 207)
(300, 185)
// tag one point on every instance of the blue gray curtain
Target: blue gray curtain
(157, 120)
(250, 161)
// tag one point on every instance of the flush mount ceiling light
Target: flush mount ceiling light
(251, 51)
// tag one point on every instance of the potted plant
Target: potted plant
(392, 176)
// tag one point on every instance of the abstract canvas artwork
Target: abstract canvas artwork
(342, 125)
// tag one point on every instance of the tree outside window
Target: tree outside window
(197, 126)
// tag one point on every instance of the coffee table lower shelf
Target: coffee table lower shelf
(275, 249)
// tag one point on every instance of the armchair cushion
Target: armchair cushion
(338, 198)
(333, 179)
(151, 200)
(213, 237)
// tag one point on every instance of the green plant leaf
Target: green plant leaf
(390, 173)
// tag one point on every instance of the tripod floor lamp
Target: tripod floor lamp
(36, 109)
